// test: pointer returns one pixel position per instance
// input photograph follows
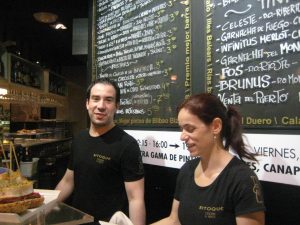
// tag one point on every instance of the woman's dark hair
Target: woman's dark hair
(104, 81)
(207, 107)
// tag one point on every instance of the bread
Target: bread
(14, 207)
(35, 202)
(17, 190)
(13, 184)
(16, 194)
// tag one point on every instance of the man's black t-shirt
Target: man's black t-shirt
(236, 191)
(101, 165)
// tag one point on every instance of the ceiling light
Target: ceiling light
(58, 26)
(45, 17)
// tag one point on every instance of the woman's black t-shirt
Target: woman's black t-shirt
(236, 191)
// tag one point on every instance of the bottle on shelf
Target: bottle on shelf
(1, 150)
(2, 72)
(16, 73)
(26, 155)
(1, 68)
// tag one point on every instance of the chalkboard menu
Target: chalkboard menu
(145, 45)
(252, 58)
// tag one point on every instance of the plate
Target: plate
(50, 200)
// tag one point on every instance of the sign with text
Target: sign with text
(252, 57)
(146, 47)
(278, 159)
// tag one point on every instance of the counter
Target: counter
(53, 155)
(32, 142)
(40, 147)
(41, 141)
(61, 213)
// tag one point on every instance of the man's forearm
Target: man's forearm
(137, 212)
(65, 191)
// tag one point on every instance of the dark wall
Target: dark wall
(282, 203)
(159, 188)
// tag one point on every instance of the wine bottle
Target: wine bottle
(26, 155)
(1, 68)
(16, 72)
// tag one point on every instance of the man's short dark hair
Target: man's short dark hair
(104, 81)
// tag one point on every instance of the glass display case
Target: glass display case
(60, 213)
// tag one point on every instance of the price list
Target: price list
(145, 45)
(252, 57)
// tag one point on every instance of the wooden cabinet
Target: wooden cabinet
(30, 87)
(24, 79)
(19, 71)
(26, 101)
(24, 72)
(55, 83)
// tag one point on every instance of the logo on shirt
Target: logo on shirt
(256, 189)
(100, 159)
(211, 211)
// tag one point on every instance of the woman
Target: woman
(215, 188)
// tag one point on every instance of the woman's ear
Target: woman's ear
(217, 126)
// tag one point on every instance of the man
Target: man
(105, 172)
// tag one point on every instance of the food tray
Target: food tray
(50, 200)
